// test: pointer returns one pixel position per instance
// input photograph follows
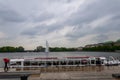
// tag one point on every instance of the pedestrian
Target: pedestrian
(6, 61)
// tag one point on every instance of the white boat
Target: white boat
(55, 61)
(65, 61)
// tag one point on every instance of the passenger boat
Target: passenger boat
(55, 61)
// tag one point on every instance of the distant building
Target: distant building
(100, 44)
(90, 46)
(80, 48)
(117, 44)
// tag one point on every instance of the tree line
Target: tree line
(38, 49)
(103, 48)
(11, 49)
(54, 49)
(109, 46)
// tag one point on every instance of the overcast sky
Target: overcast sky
(64, 23)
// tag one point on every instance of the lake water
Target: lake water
(55, 54)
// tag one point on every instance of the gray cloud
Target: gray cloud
(70, 19)
(9, 15)
(41, 29)
(101, 38)
(43, 17)
(92, 12)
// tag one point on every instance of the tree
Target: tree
(118, 40)
(39, 49)
(19, 49)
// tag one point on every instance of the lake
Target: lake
(55, 54)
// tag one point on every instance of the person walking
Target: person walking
(6, 61)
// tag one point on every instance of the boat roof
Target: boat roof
(56, 58)
(46, 58)
(76, 57)
(102, 57)
(16, 59)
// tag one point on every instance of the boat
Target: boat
(65, 61)
(55, 61)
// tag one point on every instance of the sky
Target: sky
(63, 23)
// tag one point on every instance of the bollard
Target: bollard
(23, 77)
(116, 75)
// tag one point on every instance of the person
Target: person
(6, 61)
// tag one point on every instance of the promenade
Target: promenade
(78, 73)
(72, 73)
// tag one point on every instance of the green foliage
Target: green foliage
(39, 49)
(105, 48)
(12, 49)
(118, 40)
(60, 49)
(19, 49)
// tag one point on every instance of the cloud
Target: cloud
(43, 17)
(41, 30)
(97, 17)
(9, 15)
(2, 35)
(71, 22)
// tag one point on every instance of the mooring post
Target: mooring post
(24, 77)
(117, 75)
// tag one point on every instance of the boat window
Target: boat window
(70, 62)
(48, 63)
(83, 62)
(92, 61)
(41, 63)
(18, 63)
(63, 62)
(77, 62)
(12, 63)
(27, 63)
(55, 63)
(34, 63)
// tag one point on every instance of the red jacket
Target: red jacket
(6, 60)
